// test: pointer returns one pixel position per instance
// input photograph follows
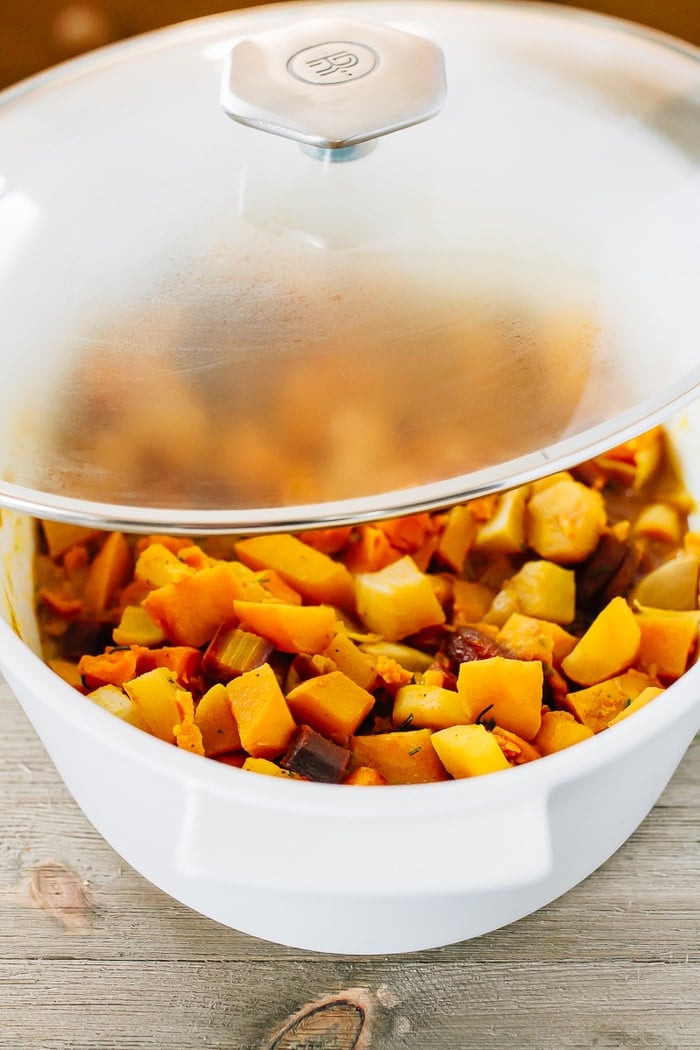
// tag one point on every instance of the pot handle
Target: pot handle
(260, 846)
(333, 83)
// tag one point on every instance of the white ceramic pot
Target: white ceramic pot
(346, 870)
(598, 213)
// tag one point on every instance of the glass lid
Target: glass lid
(439, 250)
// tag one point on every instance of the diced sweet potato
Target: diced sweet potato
(401, 758)
(332, 704)
(183, 660)
(314, 575)
(507, 691)
(191, 610)
(365, 776)
(609, 646)
(264, 721)
(397, 601)
(370, 550)
(291, 628)
(597, 705)
(468, 751)
(110, 668)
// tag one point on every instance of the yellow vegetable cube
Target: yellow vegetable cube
(471, 601)
(313, 574)
(564, 521)
(504, 533)
(560, 730)
(136, 627)
(332, 704)
(215, 721)
(401, 758)
(155, 693)
(609, 646)
(597, 705)
(469, 751)
(264, 721)
(507, 691)
(397, 601)
(544, 590)
(667, 641)
(428, 706)
(457, 537)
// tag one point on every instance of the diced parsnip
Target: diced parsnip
(115, 700)
(264, 721)
(61, 536)
(156, 565)
(468, 751)
(504, 533)
(471, 601)
(667, 641)
(564, 522)
(641, 700)
(332, 704)
(659, 521)
(598, 704)
(673, 585)
(428, 707)
(397, 601)
(214, 719)
(291, 628)
(155, 693)
(365, 776)
(314, 575)
(457, 537)
(109, 570)
(191, 610)
(544, 590)
(560, 730)
(349, 658)
(136, 627)
(401, 758)
(609, 646)
(507, 691)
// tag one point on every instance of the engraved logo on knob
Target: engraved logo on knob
(333, 62)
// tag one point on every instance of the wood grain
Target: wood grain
(94, 958)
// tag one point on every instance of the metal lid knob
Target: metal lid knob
(333, 83)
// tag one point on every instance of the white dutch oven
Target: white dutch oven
(559, 176)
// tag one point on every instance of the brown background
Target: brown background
(38, 33)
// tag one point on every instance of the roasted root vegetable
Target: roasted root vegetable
(426, 648)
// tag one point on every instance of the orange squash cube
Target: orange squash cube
(397, 601)
(310, 572)
(558, 731)
(597, 705)
(264, 721)
(290, 628)
(469, 751)
(609, 646)
(401, 758)
(507, 691)
(214, 719)
(332, 704)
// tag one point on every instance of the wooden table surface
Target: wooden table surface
(94, 958)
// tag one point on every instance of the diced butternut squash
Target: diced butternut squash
(641, 700)
(507, 691)
(313, 574)
(157, 566)
(527, 638)
(397, 601)
(155, 693)
(183, 660)
(332, 704)
(558, 731)
(597, 705)
(137, 627)
(427, 707)
(370, 550)
(365, 776)
(409, 532)
(110, 668)
(504, 533)
(609, 646)
(191, 610)
(564, 521)
(544, 590)
(350, 659)
(115, 700)
(666, 643)
(264, 721)
(401, 758)
(291, 628)
(214, 719)
(109, 570)
(469, 751)
(457, 536)
(673, 585)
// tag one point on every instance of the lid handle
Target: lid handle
(333, 84)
